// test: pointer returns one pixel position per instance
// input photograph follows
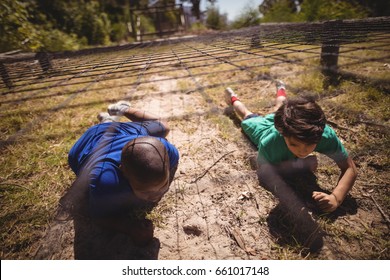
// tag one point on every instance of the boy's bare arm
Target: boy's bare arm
(347, 179)
(329, 203)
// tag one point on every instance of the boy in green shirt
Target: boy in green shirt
(285, 140)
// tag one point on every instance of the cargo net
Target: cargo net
(49, 99)
(350, 50)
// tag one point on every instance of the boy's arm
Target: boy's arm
(329, 203)
(347, 179)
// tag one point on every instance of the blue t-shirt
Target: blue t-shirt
(97, 154)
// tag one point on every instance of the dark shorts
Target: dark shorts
(154, 128)
(252, 116)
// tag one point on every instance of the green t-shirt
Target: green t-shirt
(273, 149)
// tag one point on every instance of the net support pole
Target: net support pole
(5, 76)
(330, 51)
(44, 61)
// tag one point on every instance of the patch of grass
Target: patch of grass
(183, 85)
(164, 208)
(363, 99)
(225, 127)
(309, 82)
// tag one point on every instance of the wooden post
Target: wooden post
(330, 52)
(138, 29)
(133, 27)
(44, 61)
(5, 76)
(255, 41)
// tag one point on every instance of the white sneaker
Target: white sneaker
(119, 108)
(280, 85)
(229, 93)
(105, 117)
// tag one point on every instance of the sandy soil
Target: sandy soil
(215, 208)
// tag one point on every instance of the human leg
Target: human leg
(239, 107)
(104, 117)
(123, 108)
(281, 96)
(115, 111)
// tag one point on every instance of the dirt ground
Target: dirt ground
(215, 208)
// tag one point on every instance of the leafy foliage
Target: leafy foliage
(196, 6)
(249, 16)
(215, 20)
(57, 25)
(16, 31)
(311, 10)
(316, 10)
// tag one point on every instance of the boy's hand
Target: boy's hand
(326, 202)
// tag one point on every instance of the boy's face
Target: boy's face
(153, 193)
(298, 148)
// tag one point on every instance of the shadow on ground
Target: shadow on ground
(73, 235)
(292, 226)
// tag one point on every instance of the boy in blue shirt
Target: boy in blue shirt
(124, 167)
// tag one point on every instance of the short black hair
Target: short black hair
(146, 158)
(301, 118)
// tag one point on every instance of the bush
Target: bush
(317, 10)
(15, 29)
(198, 27)
(280, 12)
(118, 32)
(147, 25)
(215, 20)
(56, 40)
(249, 16)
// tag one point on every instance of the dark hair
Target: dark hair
(301, 118)
(147, 158)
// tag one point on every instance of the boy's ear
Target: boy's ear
(121, 168)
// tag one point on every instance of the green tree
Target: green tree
(311, 10)
(196, 6)
(266, 5)
(280, 11)
(215, 20)
(249, 16)
(375, 8)
(95, 25)
(318, 10)
(16, 31)
(84, 18)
